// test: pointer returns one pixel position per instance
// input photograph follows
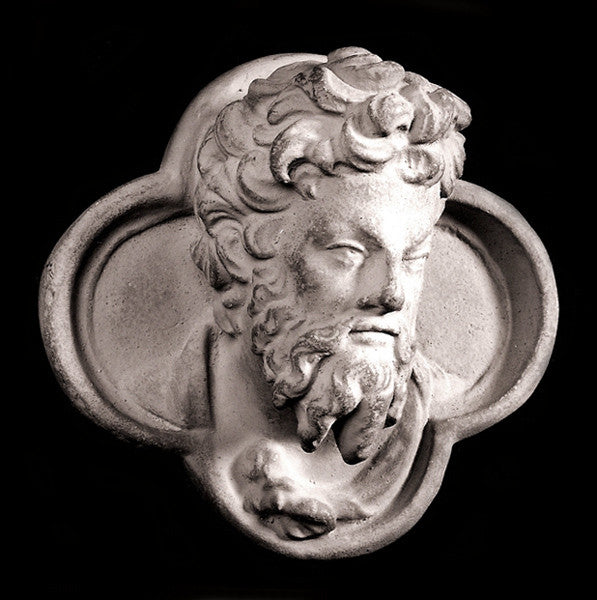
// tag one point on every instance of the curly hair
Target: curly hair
(312, 119)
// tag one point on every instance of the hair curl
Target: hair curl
(305, 119)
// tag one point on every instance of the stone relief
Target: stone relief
(306, 301)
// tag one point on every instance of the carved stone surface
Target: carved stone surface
(305, 300)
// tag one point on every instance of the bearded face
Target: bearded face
(349, 375)
(347, 160)
(334, 314)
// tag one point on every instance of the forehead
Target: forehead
(379, 206)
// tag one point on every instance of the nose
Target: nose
(384, 287)
(392, 297)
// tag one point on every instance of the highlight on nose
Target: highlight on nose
(389, 298)
(392, 297)
(384, 289)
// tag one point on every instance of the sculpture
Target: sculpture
(318, 405)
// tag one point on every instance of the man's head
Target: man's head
(318, 195)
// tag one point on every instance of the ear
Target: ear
(488, 313)
(125, 314)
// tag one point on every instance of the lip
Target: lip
(374, 326)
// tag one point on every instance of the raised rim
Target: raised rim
(477, 197)
(166, 194)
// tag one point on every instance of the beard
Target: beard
(333, 380)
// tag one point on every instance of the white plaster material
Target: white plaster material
(306, 301)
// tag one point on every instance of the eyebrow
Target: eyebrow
(426, 236)
(372, 239)
(329, 227)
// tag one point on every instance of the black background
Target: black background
(101, 89)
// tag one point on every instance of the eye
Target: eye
(415, 257)
(416, 262)
(348, 253)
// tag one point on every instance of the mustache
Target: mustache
(344, 373)
(293, 348)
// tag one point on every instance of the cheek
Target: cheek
(413, 287)
(319, 284)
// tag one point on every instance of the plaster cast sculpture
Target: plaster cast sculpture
(305, 300)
